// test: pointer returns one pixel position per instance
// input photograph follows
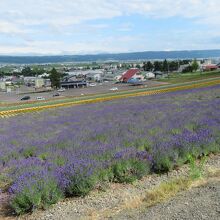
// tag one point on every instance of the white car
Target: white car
(40, 98)
(61, 90)
(113, 89)
(92, 84)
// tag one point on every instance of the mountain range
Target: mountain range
(147, 55)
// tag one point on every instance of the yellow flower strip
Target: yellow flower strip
(14, 112)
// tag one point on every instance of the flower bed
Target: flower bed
(68, 151)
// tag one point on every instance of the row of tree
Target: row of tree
(192, 67)
(35, 71)
(164, 66)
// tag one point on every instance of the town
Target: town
(35, 82)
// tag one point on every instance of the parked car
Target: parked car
(25, 98)
(56, 94)
(40, 98)
(114, 89)
(92, 84)
(61, 90)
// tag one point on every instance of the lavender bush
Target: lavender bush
(74, 148)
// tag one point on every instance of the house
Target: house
(131, 73)
(97, 77)
(182, 67)
(39, 82)
(159, 74)
(209, 67)
(150, 75)
(2, 85)
(117, 77)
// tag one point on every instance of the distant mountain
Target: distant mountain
(117, 57)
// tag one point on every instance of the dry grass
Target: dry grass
(166, 190)
(159, 194)
(213, 173)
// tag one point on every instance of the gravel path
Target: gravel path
(197, 204)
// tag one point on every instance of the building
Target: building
(159, 74)
(97, 77)
(150, 75)
(209, 67)
(2, 85)
(29, 80)
(182, 67)
(39, 83)
(73, 84)
(131, 73)
(117, 77)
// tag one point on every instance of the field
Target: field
(187, 77)
(48, 155)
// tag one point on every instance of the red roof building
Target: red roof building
(210, 67)
(129, 74)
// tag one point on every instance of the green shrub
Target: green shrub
(39, 195)
(29, 152)
(44, 156)
(81, 185)
(196, 170)
(127, 171)
(106, 175)
(163, 163)
(143, 145)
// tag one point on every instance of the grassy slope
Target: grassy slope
(187, 77)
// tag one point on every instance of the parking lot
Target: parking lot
(98, 88)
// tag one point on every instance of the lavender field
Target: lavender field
(62, 152)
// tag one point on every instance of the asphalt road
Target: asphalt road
(98, 89)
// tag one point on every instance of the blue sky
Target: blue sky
(49, 27)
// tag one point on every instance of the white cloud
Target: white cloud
(68, 12)
(10, 28)
(27, 18)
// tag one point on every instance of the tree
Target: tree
(148, 66)
(138, 66)
(165, 66)
(55, 78)
(173, 66)
(194, 65)
(187, 69)
(26, 71)
(37, 70)
(158, 66)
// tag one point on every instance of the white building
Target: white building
(150, 75)
(39, 83)
(97, 77)
(2, 85)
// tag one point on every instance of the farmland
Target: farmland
(45, 156)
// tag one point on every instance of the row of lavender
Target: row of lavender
(65, 152)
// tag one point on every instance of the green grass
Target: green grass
(187, 77)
